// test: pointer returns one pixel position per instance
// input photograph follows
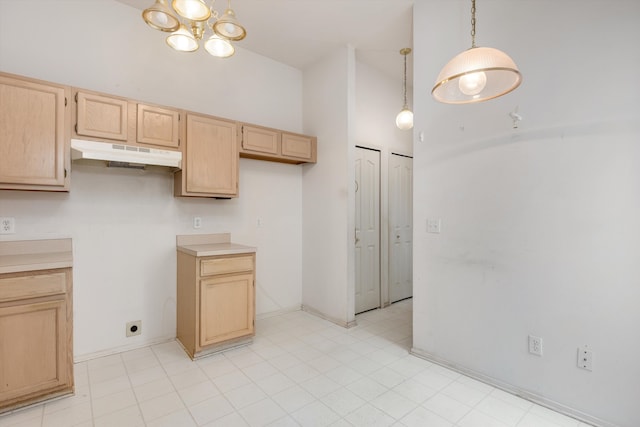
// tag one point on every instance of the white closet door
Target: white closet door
(400, 227)
(367, 230)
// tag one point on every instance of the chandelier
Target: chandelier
(198, 19)
(477, 74)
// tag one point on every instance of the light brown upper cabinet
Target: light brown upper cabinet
(34, 134)
(109, 118)
(263, 143)
(299, 147)
(101, 116)
(209, 159)
(158, 126)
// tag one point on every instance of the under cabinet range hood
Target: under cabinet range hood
(121, 155)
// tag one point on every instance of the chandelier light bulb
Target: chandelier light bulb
(472, 83)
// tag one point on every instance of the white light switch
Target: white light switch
(433, 225)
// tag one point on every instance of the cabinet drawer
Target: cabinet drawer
(14, 288)
(225, 265)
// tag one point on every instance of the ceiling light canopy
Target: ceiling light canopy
(477, 74)
(404, 119)
(195, 14)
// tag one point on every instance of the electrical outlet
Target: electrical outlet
(585, 358)
(134, 328)
(197, 222)
(433, 225)
(7, 225)
(535, 345)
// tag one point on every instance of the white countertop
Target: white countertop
(31, 255)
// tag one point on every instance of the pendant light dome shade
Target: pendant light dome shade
(159, 16)
(477, 74)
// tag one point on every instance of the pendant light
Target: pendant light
(477, 74)
(404, 119)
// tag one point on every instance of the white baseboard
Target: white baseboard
(509, 388)
(285, 310)
(115, 350)
(321, 315)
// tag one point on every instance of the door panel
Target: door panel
(226, 308)
(401, 227)
(367, 225)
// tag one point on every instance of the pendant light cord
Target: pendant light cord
(473, 23)
(405, 81)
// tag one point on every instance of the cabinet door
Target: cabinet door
(34, 141)
(298, 147)
(261, 140)
(33, 348)
(211, 157)
(158, 126)
(101, 116)
(226, 308)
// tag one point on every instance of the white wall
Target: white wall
(123, 223)
(378, 101)
(540, 225)
(328, 269)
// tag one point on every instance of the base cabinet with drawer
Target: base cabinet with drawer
(36, 360)
(216, 302)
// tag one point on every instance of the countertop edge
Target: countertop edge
(216, 249)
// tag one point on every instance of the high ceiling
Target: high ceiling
(300, 32)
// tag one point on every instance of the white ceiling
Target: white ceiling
(300, 32)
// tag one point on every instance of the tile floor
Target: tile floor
(300, 370)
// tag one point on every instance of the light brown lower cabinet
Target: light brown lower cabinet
(36, 356)
(216, 302)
